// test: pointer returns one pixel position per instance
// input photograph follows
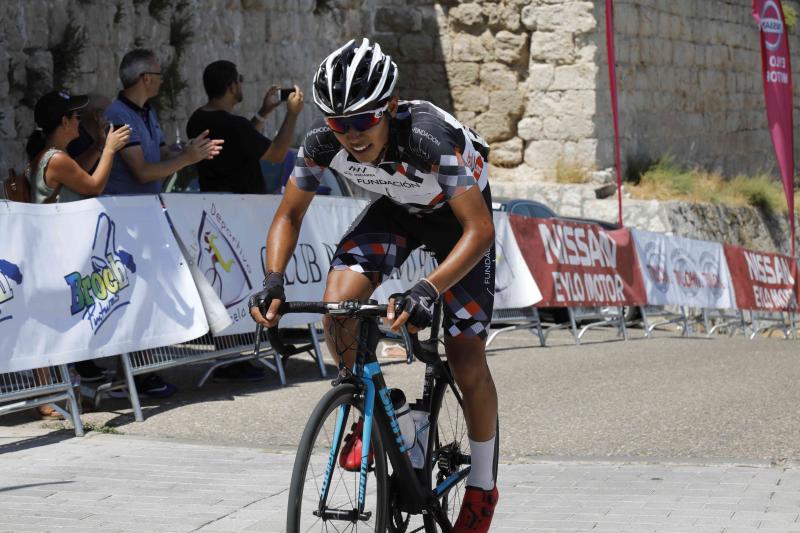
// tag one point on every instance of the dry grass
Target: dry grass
(571, 173)
(667, 181)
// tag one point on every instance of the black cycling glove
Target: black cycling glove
(418, 302)
(273, 290)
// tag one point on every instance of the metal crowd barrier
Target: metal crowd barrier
(529, 318)
(766, 323)
(222, 350)
(41, 386)
(728, 320)
(516, 319)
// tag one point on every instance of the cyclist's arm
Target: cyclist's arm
(476, 220)
(285, 228)
(281, 242)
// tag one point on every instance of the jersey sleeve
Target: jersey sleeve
(315, 155)
(443, 146)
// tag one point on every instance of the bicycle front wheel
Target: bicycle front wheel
(324, 493)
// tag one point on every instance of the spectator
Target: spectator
(92, 129)
(57, 115)
(52, 172)
(238, 168)
(139, 168)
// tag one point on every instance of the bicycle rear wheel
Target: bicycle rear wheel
(320, 440)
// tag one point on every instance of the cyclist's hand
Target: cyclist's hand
(415, 307)
(265, 303)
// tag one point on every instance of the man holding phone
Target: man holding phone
(238, 168)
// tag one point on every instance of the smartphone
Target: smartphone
(116, 127)
(285, 94)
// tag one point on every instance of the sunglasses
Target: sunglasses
(360, 121)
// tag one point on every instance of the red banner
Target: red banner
(776, 68)
(579, 265)
(762, 281)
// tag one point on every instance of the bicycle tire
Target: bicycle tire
(313, 452)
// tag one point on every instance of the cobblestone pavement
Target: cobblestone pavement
(121, 483)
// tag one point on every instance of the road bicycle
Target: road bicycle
(387, 493)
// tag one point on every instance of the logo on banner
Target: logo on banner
(9, 272)
(710, 270)
(685, 272)
(771, 25)
(219, 255)
(656, 263)
(101, 292)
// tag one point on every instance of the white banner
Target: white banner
(680, 271)
(225, 236)
(90, 279)
(514, 286)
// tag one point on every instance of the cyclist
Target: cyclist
(431, 173)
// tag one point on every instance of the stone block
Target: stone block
(472, 47)
(504, 17)
(568, 127)
(495, 126)
(555, 47)
(571, 17)
(254, 30)
(468, 16)
(466, 117)
(398, 20)
(38, 73)
(540, 76)
(543, 154)
(418, 49)
(510, 47)
(530, 128)
(579, 102)
(543, 104)
(510, 103)
(33, 24)
(463, 74)
(506, 153)
(581, 152)
(582, 76)
(497, 76)
(470, 99)
(7, 128)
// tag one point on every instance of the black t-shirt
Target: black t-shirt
(237, 168)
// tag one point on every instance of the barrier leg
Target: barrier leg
(707, 322)
(539, 331)
(648, 331)
(686, 332)
(622, 326)
(574, 326)
(74, 408)
(133, 394)
(312, 330)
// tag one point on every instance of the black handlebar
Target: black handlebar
(425, 351)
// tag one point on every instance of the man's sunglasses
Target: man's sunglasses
(360, 121)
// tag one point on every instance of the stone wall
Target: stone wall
(529, 75)
(271, 41)
(690, 84)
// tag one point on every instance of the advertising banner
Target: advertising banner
(776, 71)
(579, 265)
(90, 279)
(680, 271)
(514, 286)
(762, 281)
(225, 236)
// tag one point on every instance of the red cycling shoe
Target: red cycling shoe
(350, 454)
(477, 509)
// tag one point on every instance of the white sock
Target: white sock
(481, 475)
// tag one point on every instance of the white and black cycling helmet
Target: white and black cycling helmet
(354, 78)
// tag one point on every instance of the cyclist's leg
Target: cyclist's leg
(368, 254)
(344, 285)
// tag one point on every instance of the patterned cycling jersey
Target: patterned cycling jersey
(431, 158)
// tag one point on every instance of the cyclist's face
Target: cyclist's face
(366, 146)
